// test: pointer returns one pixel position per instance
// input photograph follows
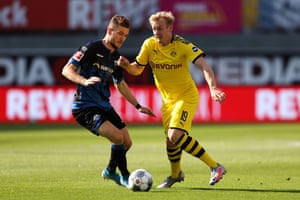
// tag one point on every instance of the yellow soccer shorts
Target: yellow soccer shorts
(179, 115)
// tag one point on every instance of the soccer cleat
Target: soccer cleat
(112, 176)
(216, 174)
(124, 180)
(170, 181)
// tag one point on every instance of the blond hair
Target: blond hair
(167, 15)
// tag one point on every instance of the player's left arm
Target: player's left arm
(123, 88)
(216, 94)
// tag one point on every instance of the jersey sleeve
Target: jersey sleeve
(143, 56)
(193, 52)
(79, 56)
(117, 76)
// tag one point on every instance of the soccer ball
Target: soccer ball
(140, 180)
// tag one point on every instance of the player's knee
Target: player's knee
(117, 139)
(174, 135)
(127, 139)
(169, 143)
(127, 144)
(172, 139)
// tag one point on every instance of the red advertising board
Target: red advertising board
(31, 14)
(205, 16)
(243, 104)
(71, 14)
(192, 16)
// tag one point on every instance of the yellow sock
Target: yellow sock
(174, 155)
(175, 169)
(192, 146)
(208, 160)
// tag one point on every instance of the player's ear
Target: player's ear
(109, 30)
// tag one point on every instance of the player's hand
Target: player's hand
(92, 80)
(218, 95)
(147, 111)
(123, 62)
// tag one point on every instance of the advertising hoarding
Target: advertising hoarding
(243, 104)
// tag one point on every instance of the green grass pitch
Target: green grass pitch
(65, 161)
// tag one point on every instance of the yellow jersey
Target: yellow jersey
(170, 67)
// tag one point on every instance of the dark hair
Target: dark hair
(118, 20)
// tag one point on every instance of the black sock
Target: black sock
(112, 165)
(123, 164)
(118, 159)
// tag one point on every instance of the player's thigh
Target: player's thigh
(116, 120)
(108, 130)
(90, 118)
(182, 115)
(166, 114)
(126, 138)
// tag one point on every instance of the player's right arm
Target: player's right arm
(70, 72)
(132, 68)
(71, 69)
(137, 67)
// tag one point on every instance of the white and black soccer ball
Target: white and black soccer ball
(140, 180)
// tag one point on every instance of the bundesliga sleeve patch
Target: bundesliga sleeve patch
(77, 56)
(195, 49)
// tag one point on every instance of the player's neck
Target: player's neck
(108, 44)
(167, 40)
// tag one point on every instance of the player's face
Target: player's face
(118, 36)
(161, 31)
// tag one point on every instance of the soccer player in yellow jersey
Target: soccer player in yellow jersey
(169, 55)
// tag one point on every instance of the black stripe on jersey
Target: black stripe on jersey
(140, 63)
(201, 55)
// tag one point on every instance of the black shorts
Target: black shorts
(92, 117)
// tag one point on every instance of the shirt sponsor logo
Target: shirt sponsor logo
(167, 66)
(99, 55)
(103, 68)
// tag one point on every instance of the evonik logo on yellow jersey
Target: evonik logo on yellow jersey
(167, 66)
